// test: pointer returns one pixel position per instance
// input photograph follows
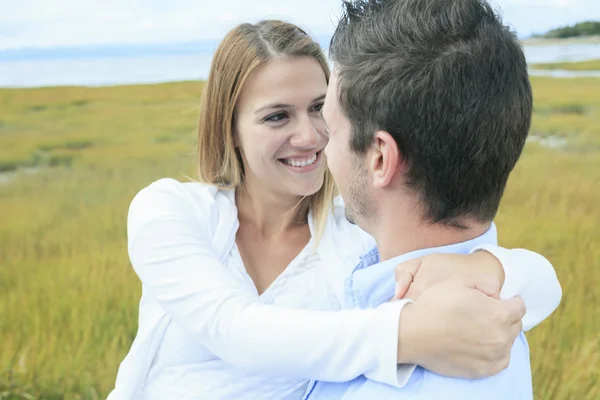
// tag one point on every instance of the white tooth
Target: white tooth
(304, 163)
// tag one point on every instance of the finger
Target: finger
(411, 293)
(501, 366)
(486, 284)
(403, 282)
(489, 285)
(516, 328)
(405, 275)
(515, 307)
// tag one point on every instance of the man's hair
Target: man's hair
(449, 82)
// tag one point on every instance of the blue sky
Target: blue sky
(58, 23)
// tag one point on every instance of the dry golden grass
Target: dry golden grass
(68, 298)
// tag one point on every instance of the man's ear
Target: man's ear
(384, 159)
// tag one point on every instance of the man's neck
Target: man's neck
(399, 230)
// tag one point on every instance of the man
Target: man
(427, 111)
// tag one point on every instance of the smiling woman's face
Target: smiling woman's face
(278, 128)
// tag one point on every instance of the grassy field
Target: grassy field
(589, 65)
(74, 157)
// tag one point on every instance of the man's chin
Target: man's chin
(349, 218)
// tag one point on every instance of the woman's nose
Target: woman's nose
(306, 135)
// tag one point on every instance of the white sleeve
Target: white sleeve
(531, 276)
(169, 251)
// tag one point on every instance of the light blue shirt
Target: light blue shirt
(373, 283)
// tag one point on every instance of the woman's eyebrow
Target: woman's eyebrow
(272, 106)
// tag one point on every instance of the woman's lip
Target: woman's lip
(305, 169)
(303, 157)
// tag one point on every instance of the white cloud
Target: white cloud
(43, 23)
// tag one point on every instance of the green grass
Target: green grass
(68, 297)
(590, 65)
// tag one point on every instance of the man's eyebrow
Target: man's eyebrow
(321, 97)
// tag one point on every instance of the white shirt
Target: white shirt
(185, 369)
(195, 304)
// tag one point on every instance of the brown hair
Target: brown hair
(241, 52)
(448, 80)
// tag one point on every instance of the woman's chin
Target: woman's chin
(308, 190)
(302, 188)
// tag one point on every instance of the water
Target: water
(552, 142)
(561, 53)
(559, 73)
(103, 71)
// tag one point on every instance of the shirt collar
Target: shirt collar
(373, 283)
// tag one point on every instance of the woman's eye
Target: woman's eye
(276, 117)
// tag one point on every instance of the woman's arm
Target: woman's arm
(532, 277)
(518, 272)
(170, 250)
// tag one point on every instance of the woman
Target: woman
(243, 273)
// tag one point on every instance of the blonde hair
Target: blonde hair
(242, 51)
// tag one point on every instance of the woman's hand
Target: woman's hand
(456, 328)
(415, 276)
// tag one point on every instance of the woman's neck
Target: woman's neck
(270, 213)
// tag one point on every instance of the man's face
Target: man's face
(347, 167)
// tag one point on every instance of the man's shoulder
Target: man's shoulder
(513, 383)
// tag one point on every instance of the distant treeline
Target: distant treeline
(587, 28)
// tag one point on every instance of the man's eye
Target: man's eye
(276, 117)
(317, 107)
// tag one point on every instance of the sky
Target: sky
(66, 23)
